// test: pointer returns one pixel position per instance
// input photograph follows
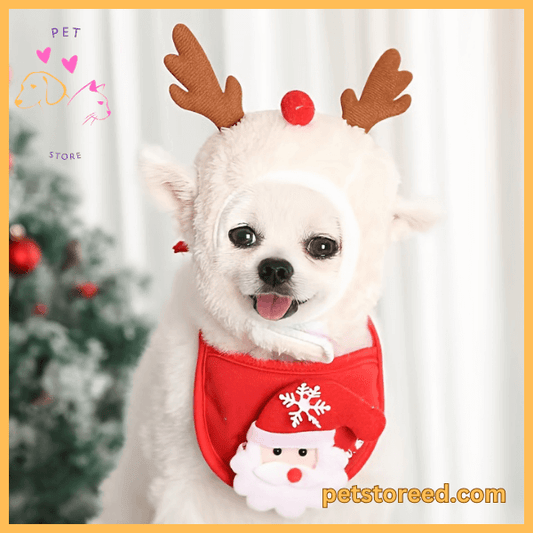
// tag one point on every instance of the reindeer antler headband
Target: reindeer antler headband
(224, 108)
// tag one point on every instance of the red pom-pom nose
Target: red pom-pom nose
(294, 475)
(297, 108)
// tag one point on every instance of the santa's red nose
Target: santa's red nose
(294, 475)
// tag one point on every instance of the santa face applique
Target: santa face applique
(289, 480)
(293, 450)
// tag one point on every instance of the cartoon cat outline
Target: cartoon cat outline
(87, 97)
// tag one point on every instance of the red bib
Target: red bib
(230, 391)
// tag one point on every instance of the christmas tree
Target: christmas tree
(73, 341)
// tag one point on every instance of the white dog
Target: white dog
(287, 226)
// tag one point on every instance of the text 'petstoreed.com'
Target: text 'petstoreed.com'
(401, 495)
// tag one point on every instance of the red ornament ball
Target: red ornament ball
(40, 309)
(297, 108)
(43, 399)
(87, 290)
(24, 256)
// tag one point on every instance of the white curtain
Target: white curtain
(452, 312)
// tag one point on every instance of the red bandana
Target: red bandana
(231, 390)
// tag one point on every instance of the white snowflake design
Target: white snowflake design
(304, 405)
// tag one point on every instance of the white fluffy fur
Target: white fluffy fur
(161, 476)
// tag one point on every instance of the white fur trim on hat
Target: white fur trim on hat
(303, 439)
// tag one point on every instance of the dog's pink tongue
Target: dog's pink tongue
(272, 306)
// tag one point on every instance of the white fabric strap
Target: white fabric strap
(297, 343)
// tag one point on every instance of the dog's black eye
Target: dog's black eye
(322, 247)
(242, 236)
(302, 452)
(276, 451)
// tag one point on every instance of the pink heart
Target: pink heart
(44, 56)
(70, 65)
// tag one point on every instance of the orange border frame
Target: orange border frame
(4, 287)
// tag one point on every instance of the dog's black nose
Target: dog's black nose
(275, 271)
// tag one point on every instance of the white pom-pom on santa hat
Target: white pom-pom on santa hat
(310, 414)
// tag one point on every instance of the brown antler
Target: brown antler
(377, 101)
(204, 95)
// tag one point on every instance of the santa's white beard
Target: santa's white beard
(266, 486)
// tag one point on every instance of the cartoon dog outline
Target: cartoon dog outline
(37, 86)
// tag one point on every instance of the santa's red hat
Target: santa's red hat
(312, 414)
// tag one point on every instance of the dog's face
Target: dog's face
(288, 226)
(280, 246)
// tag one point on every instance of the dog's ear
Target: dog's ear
(171, 185)
(413, 215)
(55, 89)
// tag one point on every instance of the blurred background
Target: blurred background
(451, 317)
